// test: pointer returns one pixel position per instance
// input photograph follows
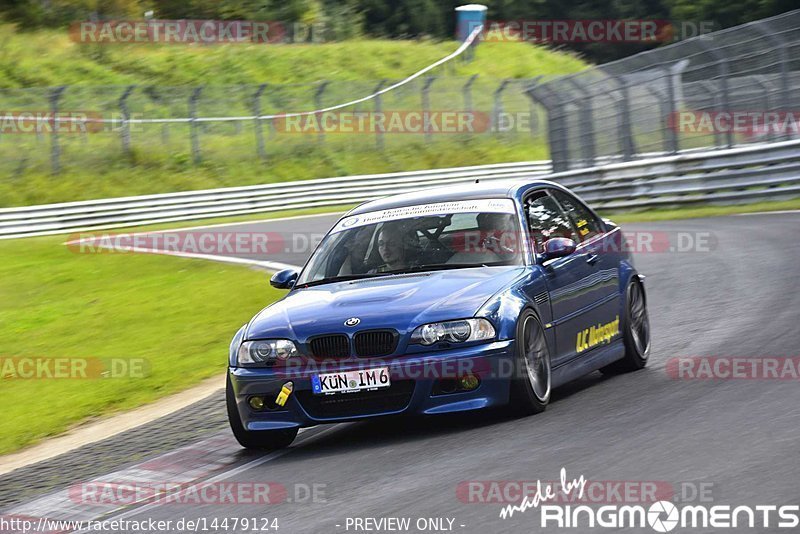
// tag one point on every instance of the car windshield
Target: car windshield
(448, 235)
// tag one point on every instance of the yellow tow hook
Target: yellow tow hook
(283, 396)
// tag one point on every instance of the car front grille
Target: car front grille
(392, 399)
(375, 343)
(330, 346)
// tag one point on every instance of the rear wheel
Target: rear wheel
(635, 331)
(263, 439)
(530, 385)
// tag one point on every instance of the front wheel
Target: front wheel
(635, 331)
(530, 385)
(262, 439)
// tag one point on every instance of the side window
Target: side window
(587, 224)
(546, 220)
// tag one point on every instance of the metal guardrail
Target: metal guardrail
(744, 174)
(49, 219)
(739, 174)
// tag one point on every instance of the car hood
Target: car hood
(401, 302)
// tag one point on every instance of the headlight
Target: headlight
(265, 351)
(453, 332)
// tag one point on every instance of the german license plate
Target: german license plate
(351, 381)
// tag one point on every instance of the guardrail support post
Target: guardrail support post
(125, 131)
(55, 148)
(196, 156)
(260, 149)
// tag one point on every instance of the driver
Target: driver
(392, 248)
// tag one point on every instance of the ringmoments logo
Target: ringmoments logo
(660, 516)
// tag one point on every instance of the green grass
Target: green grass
(177, 314)
(50, 58)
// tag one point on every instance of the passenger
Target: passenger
(355, 262)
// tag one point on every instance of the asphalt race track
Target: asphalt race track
(734, 295)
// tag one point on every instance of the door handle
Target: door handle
(591, 259)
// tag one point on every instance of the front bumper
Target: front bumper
(416, 388)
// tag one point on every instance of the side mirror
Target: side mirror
(284, 279)
(558, 247)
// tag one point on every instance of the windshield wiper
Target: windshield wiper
(440, 267)
(342, 278)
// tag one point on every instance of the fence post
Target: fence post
(55, 148)
(193, 126)
(783, 58)
(318, 104)
(663, 111)
(556, 138)
(426, 103)
(497, 105)
(713, 90)
(766, 87)
(379, 142)
(587, 134)
(262, 152)
(534, 116)
(467, 92)
(672, 108)
(624, 129)
(724, 72)
(125, 132)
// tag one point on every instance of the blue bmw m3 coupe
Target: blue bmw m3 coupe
(440, 301)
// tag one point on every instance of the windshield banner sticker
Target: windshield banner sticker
(483, 205)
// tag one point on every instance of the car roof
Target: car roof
(449, 193)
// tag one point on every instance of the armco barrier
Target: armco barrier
(747, 173)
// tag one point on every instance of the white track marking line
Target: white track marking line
(779, 212)
(269, 265)
(228, 474)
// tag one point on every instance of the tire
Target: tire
(269, 440)
(531, 382)
(635, 331)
